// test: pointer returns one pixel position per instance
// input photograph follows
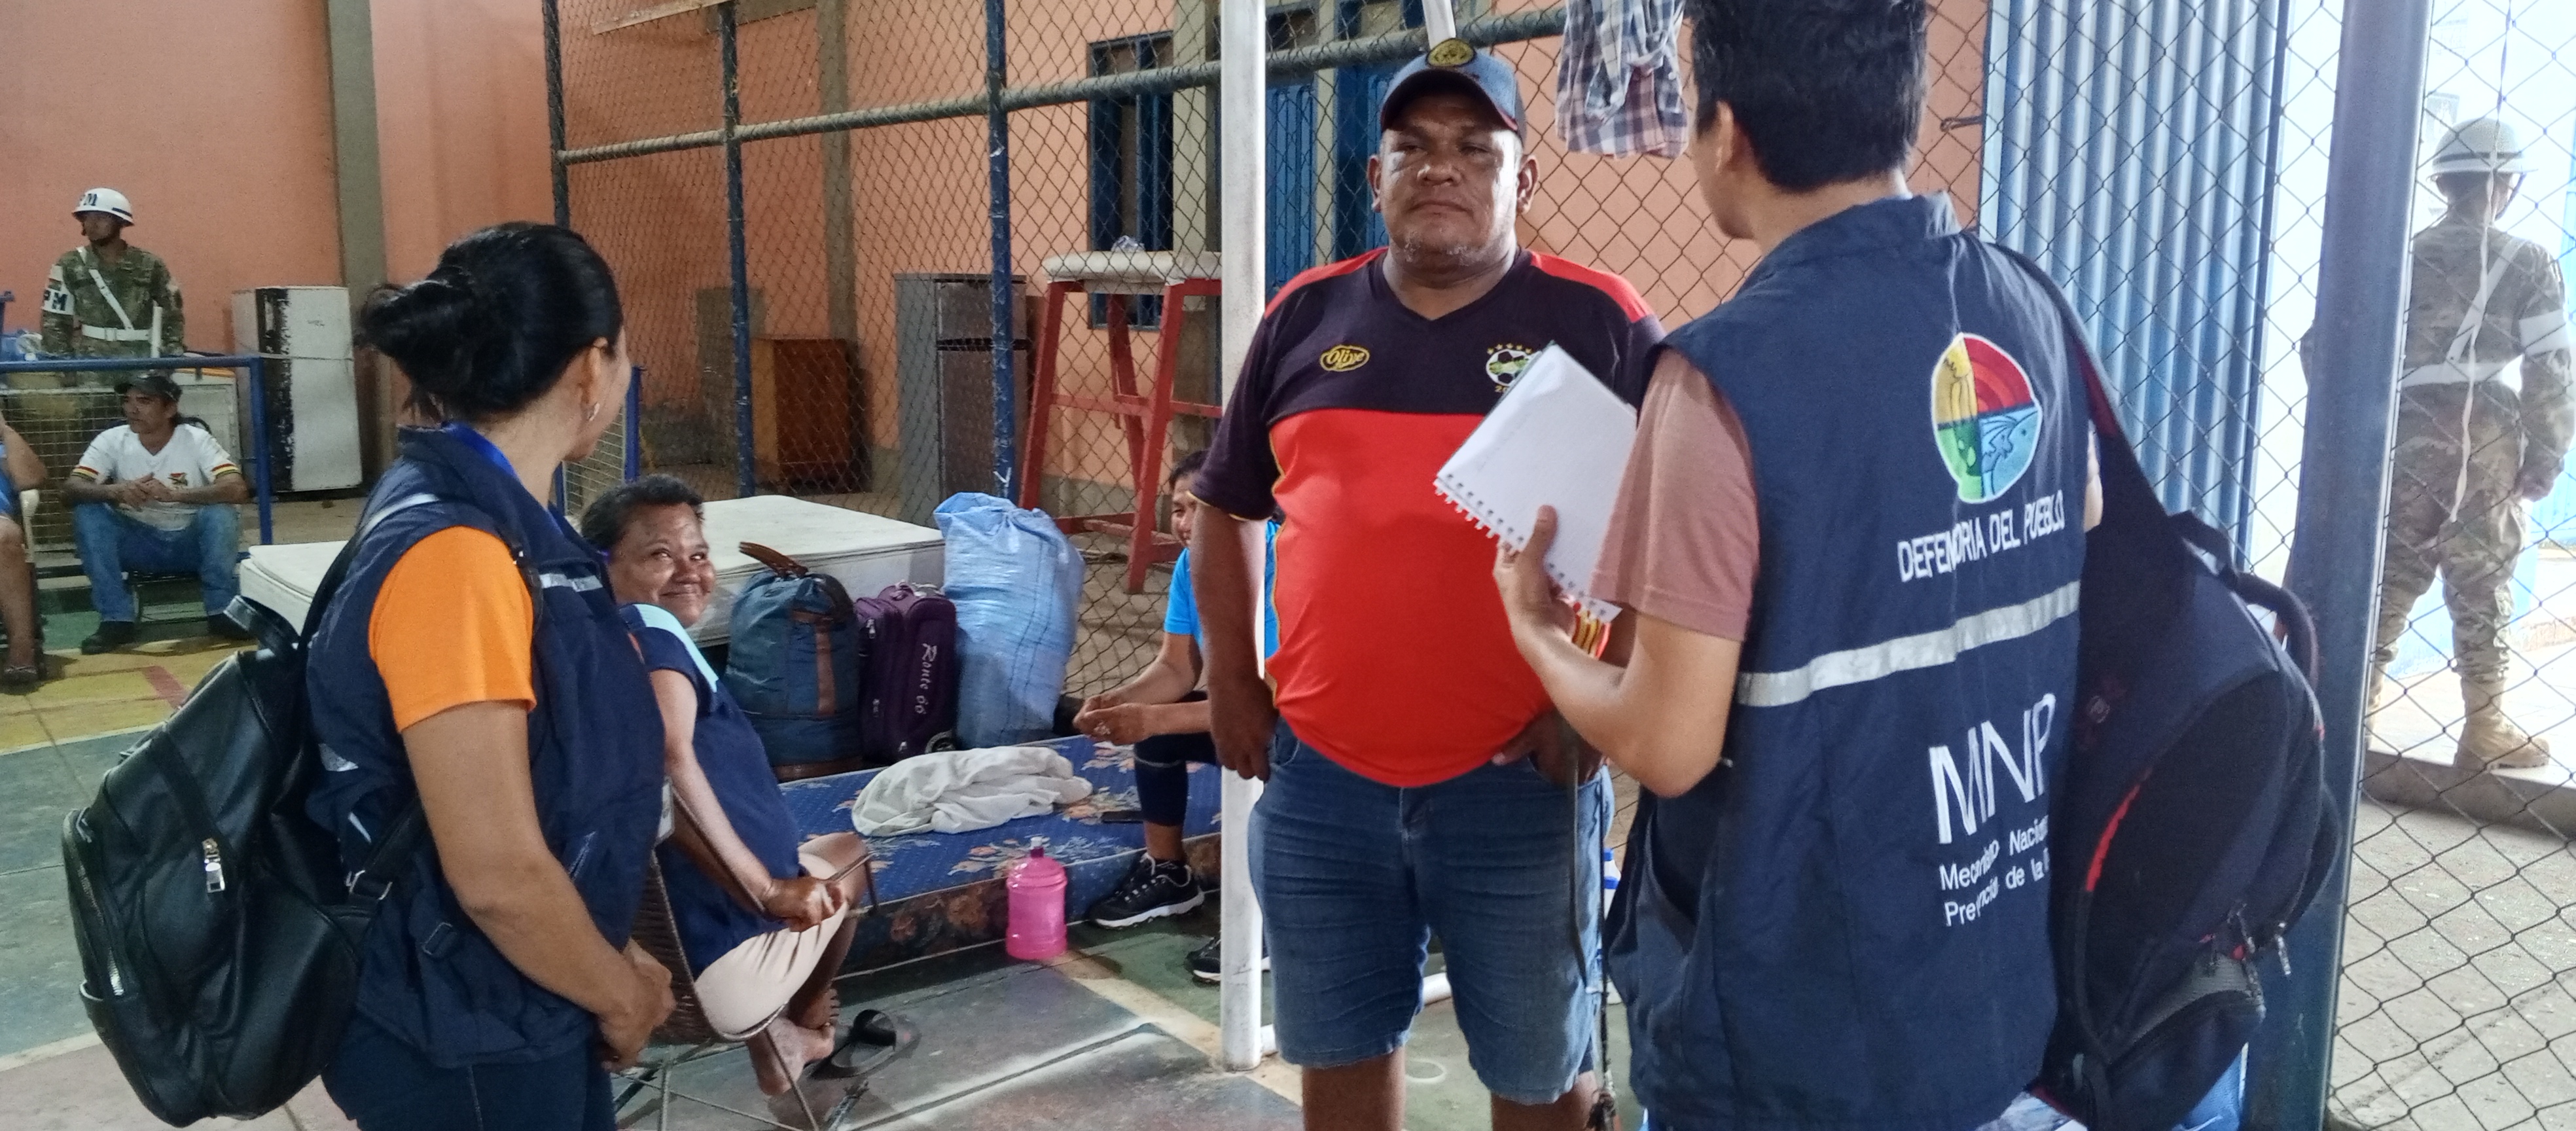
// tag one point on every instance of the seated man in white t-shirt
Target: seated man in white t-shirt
(155, 494)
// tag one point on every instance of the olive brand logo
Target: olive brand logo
(1504, 363)
(1984, 419)
(1344, 358)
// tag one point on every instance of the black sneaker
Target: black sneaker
(111, 635)
(1204, 962)
(221, 627)
(1152, 889)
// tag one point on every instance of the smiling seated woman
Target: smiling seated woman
(765, 920)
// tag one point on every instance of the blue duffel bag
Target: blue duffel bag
(794, 666)
(1017, 583)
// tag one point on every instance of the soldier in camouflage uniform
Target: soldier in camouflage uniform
(107, 298)
(2483, 423)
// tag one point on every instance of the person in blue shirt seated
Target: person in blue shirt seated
(1163, 713)
(765, 920)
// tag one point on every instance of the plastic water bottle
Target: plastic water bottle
(1037, 906)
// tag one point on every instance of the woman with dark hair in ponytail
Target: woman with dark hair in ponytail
(472, 673)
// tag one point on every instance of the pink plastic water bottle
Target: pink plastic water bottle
(1037, 906)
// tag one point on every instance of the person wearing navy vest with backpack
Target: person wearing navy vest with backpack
(472, 673)
(1848, 548)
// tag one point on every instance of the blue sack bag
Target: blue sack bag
(794, 665)
(1017, 583)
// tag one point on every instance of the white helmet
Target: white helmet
(105, 200)
(2479, 145)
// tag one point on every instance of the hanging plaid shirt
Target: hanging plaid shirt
(1618, 80)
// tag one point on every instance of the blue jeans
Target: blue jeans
(111, 543)
(385, 1085)
(1355, 876)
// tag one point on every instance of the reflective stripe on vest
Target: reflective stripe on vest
(1907, 653)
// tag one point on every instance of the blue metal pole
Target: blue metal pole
(133, 364)
(2343, 485)
(259, 479)
(555, 116)
(997, 129)
(738, 257)
(634, 412)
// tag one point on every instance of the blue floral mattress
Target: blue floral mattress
(1094, 855)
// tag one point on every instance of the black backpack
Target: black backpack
(219, 941)
(2190, 827)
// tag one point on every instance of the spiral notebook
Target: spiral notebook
(1559, 438)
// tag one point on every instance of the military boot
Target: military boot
(2489, 740)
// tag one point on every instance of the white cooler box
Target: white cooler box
(866, 552)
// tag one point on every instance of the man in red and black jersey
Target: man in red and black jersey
(1397, 724)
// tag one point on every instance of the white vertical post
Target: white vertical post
(1438, 21)
(1242, 102)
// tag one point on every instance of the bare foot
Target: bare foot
(780, 1052)
(777, 1056)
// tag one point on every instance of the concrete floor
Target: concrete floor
(2456, 1009)
(1113, 1035)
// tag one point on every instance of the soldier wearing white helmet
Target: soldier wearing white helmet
(2483, 423)
(108, 298)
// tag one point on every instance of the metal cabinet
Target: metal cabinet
(944, 385)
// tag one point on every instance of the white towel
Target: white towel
(957, 791)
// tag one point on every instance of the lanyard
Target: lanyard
(490, 451)
(482, 446)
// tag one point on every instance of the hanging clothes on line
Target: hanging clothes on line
(1619, 79)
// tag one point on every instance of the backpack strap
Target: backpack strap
(2124, 481)
(778, 563)
(376, 878)
(338, 574)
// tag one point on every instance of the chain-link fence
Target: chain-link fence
(857, 321)
(811, 203)
(2458, 953)
(2169, 163)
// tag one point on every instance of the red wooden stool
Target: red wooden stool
(1145, 416)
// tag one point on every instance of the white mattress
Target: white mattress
(866, 552)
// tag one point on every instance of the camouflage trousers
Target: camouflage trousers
(2468, 529)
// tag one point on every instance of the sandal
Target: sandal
(874, 1038)
(22, 677)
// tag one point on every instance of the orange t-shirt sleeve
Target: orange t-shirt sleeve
(453, 624)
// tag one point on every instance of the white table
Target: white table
(866, 552)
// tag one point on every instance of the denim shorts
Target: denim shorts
(1355, 877)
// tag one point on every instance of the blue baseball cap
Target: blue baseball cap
(1453, 64)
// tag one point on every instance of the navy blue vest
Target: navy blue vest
(595, 753)
(1845, 924)
(711, 921)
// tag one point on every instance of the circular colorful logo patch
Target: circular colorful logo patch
(1984, 419)
(1504, 363)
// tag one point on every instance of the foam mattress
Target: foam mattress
(866, 552)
